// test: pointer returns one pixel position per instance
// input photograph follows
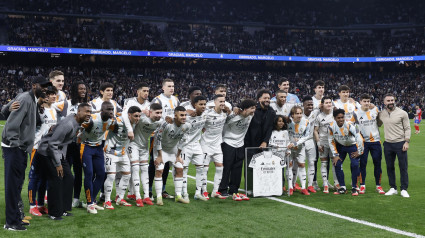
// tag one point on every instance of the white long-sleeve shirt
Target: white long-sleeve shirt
(129, 103)
(367, 122)
(143, 131)
(193, 136)
(235, 130)
(117, 140)
(169, 135)
(48, 119)
(280, 139)
(323, 121)
(299, 132)
(212, 137)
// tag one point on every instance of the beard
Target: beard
(391, 106)
(39, 93)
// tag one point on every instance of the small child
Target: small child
(280, 140)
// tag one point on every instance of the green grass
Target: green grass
(260, 217)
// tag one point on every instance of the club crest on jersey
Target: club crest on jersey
(45, 116)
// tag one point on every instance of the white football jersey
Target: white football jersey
(345, 135)
(65, 108)
(48, 119)
(168, 104)
(323, 121)
(169, 135)
(267, 173)
(212, 137)
(300, 132)
(280, 139)
(312, 120)
(316, 103)
(97, 106)
(367, 124)
(61, 96)
(283, 110)
(129, 102)
(193, 136)
(117, 140)
(348, 107)
(143, 131)
(95, 130)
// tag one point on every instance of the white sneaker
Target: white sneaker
(186, 197)
(91, 209)
(392, 191)
(200, 197)
(404, 194)
(99, 208)
(75, 203)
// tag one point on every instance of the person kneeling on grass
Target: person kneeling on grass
(344, 139)
(116, 158)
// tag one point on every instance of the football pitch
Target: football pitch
(368, 215)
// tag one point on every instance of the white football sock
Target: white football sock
(184, 185)
(118, 176)
(324, 172)
(205, 179)
(125, 178)
(294, 173)
(178, 184)
(334, 175)
(310, 173)
(135, 180)
(289, 175)
(217, 178)
(302, 174)
(158, 186)
(144, 179)
(109, 184)
(199, 178)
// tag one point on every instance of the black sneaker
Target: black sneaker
(166, 195)
(340, 191)
(14, 228)
(67, 214)
(354, 192)
(55, 218)
(151, 196)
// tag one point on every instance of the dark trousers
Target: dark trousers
(15, 163)
(59, 191)
(74, 160)
(375, 150)
(151, 168)
(232, 168)
(36, 182)
(355, 170)
(94, 170)
(391, 150)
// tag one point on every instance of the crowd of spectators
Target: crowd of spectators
(294, 13)
(136, 35)
(408, 86)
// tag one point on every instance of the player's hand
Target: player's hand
(169, 120)
(179, 159)
(321, 148)
(355, 154)
(146, 112)
(291, 145)
(236, 110)
(351, 100)
(158, 160)
(372, 106)
(335, 160)
(59, 169)
(130, 135)
(15, 106)
(191, 113)
(263, 145)
(405, 146)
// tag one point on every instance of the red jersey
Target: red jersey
(419, 113)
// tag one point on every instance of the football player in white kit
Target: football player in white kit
(191, 148)
(168, 103)
(323, 121)
(310, 114)
(166, 139)
(57, 78)
(193, 93)
(299, 132)
(211, 141)
(319, 90)
(142, 102)
(116, 158)
(344, 102)
(279, 105)
(139, 152)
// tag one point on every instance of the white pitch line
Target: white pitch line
(366, 223)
